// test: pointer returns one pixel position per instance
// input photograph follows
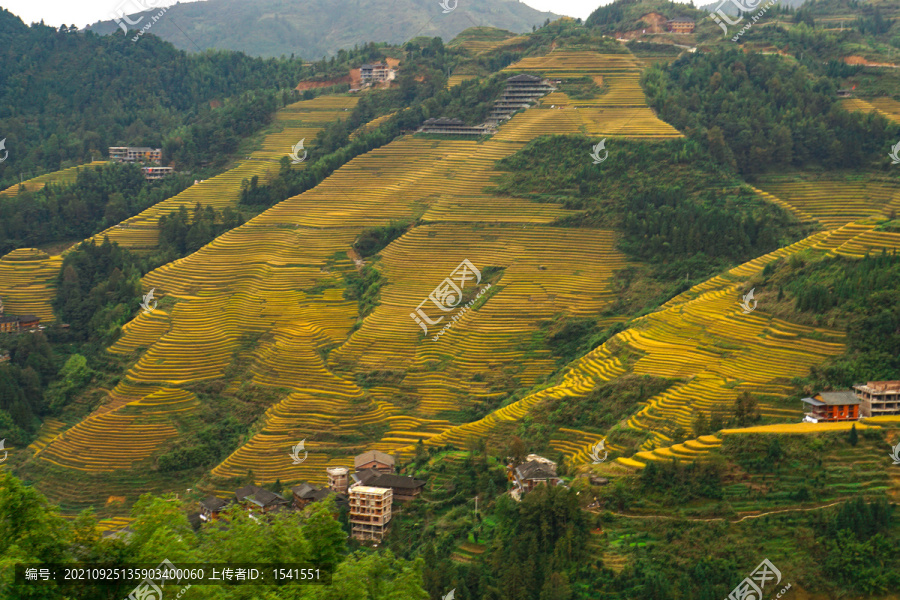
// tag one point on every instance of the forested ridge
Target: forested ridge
(68, 95)
(759, 112)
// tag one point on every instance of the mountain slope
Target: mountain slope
(317, 28)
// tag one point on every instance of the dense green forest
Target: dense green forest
(759, 112)
(32, 531)
(146, 94)
(670, 199)
(862, 296)
(100, 198)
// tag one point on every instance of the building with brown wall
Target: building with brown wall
(11, 324)
(373, 459)
(681, 25)
(338, 479)
(879, 398)
(826, 407)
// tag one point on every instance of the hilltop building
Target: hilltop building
(879, 398)
(132, 154)
(522, 91)
(681, 25)
(454, 127)
(826, 407)
(376, 73)
(370, 512)
(155, 173)
(536, 470)
(373, 459)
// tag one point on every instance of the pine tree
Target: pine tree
(853, 438)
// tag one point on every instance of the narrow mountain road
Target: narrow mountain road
(773, 512)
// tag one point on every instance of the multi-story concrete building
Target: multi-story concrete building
(370, 511)
(155, 173)
(338, 479)
(376, 73)
(681, 25)
(879, 398)
(135, 154)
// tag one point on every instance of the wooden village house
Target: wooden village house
(832, 406)
(373, 459)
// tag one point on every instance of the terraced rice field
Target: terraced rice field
(836, 200)
(296, 121)
(455, 80)
(280, 277)
(28, 282)
(621, 110)
(887, 107)
(479, 40)
(64, 176)
(259, 279)
(704, 338)
(371, 125)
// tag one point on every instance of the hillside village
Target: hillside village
(606, 307)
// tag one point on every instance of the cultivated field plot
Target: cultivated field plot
(280, 279)
(620, 110)
(300, 120)
(65, 176)
(28, 282)
(887, 107)
(479, 40)
(632, 123)
(371, 125)
(835, 199)
(702, 337)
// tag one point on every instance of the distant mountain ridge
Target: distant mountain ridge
(315, 28)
